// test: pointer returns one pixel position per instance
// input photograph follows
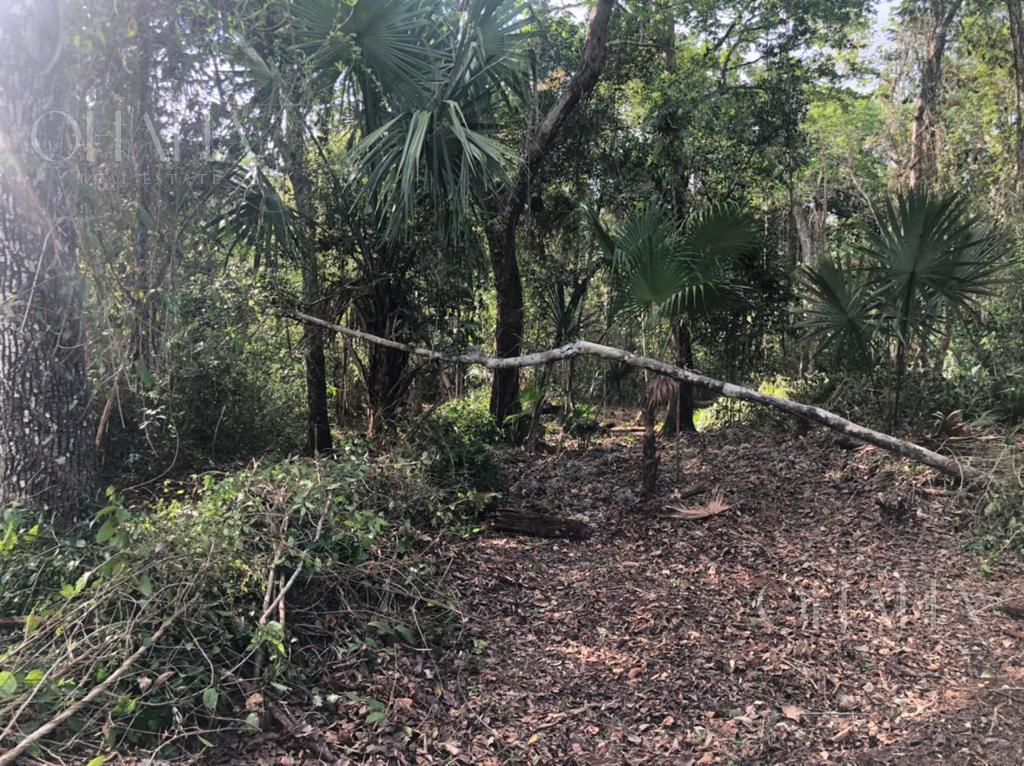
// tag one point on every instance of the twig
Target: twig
(11, 756)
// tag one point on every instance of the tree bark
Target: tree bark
(318, 429)
(507, 206)
(318, 425)
(1017, 37)
(923, 145)
(915, 452)
(387, 382)
(539, 525)
(47, 455)
(508, 331)
(680, 411)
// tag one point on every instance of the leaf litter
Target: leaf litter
(804, 625)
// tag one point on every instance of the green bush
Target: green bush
(580, 423)
(225, 385)
(194, 577)
(730, 412)
(456, 439)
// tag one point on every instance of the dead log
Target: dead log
(691, 491)
(539, 525)
(914, 452)
(1013, 607)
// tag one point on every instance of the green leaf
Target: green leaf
(377, 716)
(106, 531)
(8, 683)
(144, 374)
(145, 586)
(99, 760)
(210, 698)
(406, 634)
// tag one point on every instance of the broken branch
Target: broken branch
(915, 452)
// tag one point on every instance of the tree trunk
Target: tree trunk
(1017, 37)
(384, 310)
(949, 465)
(318, 430)
(47, 454)
(943, 349)
(507, 207)
(923, 144)
(680, 411)
(318, 425)
(508, 336)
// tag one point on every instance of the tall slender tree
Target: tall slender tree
(1015, 11)
(938, 18)
(505, 208)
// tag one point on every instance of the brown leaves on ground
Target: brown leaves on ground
(800, 627)
(715, 505)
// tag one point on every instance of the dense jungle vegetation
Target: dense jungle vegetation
(272, 492)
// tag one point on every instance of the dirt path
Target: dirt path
(803, 625)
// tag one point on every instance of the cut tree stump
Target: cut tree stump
(539, 525)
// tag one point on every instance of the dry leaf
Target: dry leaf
(792, 712)
(714, 506)
(254, 701)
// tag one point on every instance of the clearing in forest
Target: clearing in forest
(835, 613)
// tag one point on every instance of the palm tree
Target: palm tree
(928, 264)
(671, 272)
(840, 309)
(410, 85)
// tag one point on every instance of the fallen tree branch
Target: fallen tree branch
(12, 755)
(539, 525)
(900, 447)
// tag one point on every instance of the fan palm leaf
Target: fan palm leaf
(254, 214)
(664, 269)
(841, 309)
(929, 256)
(442, 150)
(386, 41)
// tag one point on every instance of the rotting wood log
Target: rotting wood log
(691, 491)
(909, 450)
(539, 525)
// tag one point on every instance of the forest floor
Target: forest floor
(806, 624)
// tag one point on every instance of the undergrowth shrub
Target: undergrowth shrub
(998, 523)
(579, 422)
(223, 387)
(867, 399)
(730, 412)
(457, 439)
(185, 612)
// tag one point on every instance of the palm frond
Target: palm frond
(665, 269)
(601, 234)
(384, 40)
(930, 256)
(648, 262)
(254, 214)
(440, 150)
(720, 231)
(841, 308)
